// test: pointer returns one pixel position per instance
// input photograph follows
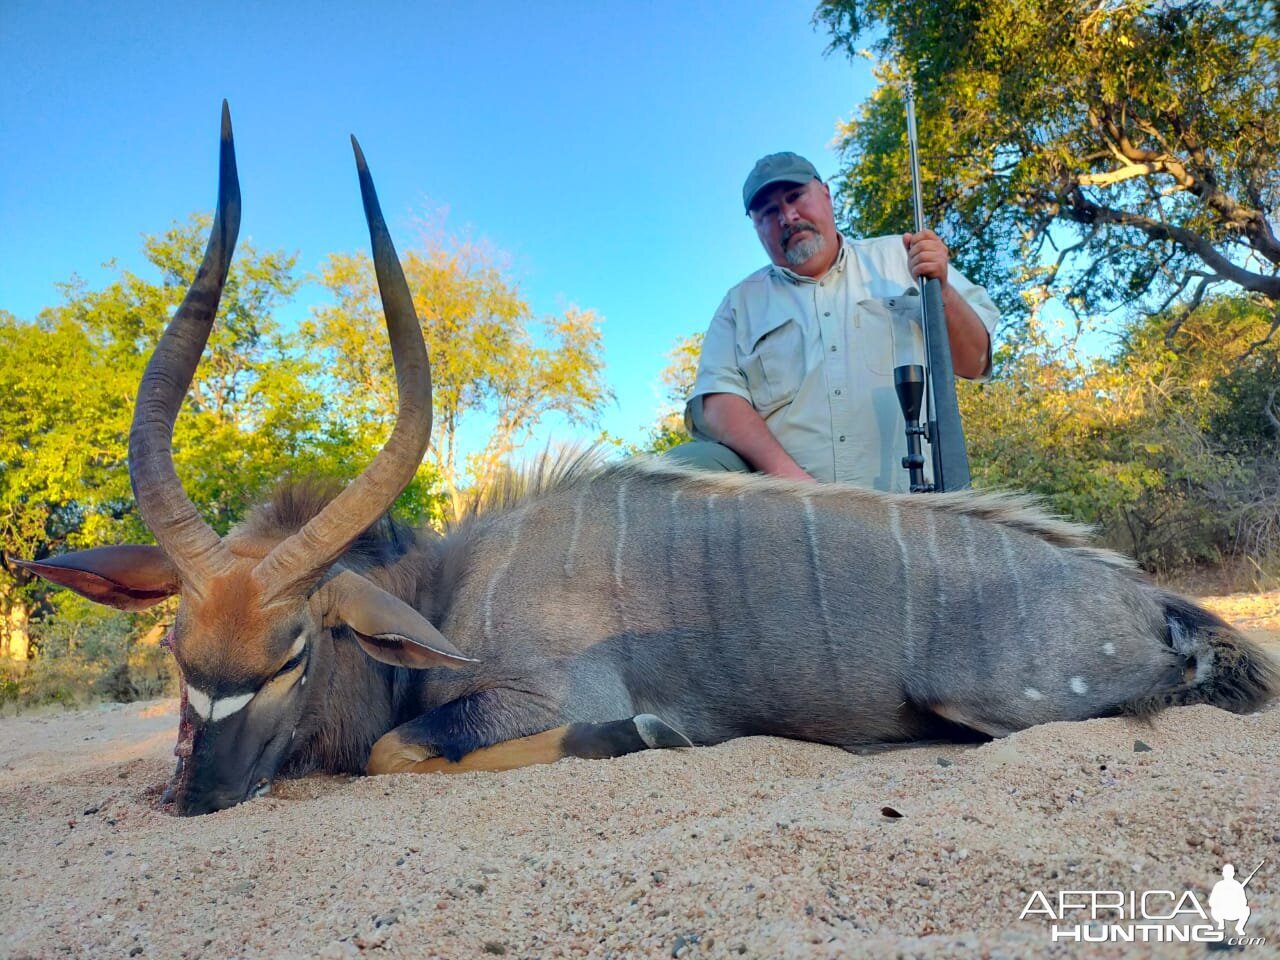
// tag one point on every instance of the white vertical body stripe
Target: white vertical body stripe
(935, 563)
(491, 589)
(971, 554)
(1013, 573)
(908, 638)
(577, 526)
(622, 536)
(811, 528)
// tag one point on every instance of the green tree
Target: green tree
(1104, 155)
(1170, 448)
(252, 414)
(677, 382)
(70, 378)
(62, 479)
(491, 364)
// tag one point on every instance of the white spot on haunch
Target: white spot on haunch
(1109, 649)
(1031, 693)
(1078, 685)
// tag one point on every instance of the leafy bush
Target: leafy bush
(1169, 448)
(87, 653)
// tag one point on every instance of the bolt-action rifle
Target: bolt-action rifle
(936, 382)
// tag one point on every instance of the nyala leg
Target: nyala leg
(450, 739)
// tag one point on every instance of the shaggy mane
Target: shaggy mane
(1017, 511)
(515, 486)
(295, 502)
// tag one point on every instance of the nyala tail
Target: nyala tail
(1215, 664)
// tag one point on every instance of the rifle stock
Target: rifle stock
(946, 432)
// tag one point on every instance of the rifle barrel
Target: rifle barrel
(1250, 876)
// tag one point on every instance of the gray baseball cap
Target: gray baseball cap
(777, 168)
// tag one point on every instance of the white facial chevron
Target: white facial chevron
(215, 710)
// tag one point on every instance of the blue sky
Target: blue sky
(601, 145)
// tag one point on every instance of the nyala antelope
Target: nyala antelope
(605, 611)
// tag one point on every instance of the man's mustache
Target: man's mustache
(790, 231)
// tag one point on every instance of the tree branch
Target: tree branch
(1196, 299)
(1119, 175)
(1200, 182)
(1079, 208)
(1269, 408)
(1177, 290)
(1275, 325)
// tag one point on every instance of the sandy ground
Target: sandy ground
(758, 848)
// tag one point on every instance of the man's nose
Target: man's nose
(787, 213)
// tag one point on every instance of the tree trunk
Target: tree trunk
(15, 637)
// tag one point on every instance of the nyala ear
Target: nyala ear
(388, 628)
(128, 577)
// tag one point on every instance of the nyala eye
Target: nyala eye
(293, 662)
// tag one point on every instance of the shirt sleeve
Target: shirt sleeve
(978, 298)
(718, 370)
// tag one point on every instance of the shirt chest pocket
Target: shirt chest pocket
(887, 332)
(774, 365)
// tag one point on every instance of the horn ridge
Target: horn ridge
(298, 562)
(190, 543)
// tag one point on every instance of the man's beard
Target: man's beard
(804, 248)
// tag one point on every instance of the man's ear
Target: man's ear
(127, 577)
(388, 628)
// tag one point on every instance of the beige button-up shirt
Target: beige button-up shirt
(816, 359)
